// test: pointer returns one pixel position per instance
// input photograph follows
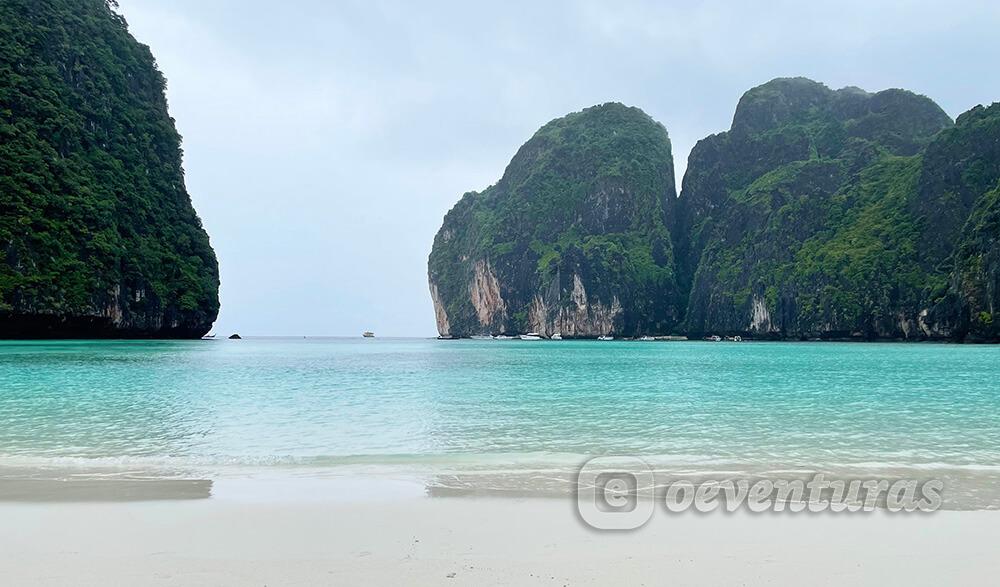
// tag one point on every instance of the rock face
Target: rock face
(571, 240)
(795, 222)
(97, 231)
(959, 206)
(819, 214)
(839, 214)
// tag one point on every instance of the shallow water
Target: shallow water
(502, 415)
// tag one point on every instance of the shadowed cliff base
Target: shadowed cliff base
(42, 327)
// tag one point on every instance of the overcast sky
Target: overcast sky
(325, 140)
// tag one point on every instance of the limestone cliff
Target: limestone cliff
(571, 240)
(97, 233)
(820, 214)
(958, 204)
(795, 223)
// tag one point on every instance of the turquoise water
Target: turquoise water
(502, 414)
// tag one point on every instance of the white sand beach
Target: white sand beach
(306, 536)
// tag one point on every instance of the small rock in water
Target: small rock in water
(236, 337)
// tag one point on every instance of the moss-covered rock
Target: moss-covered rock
(796, 223)
(958, 209)
(97, 231)
(819, 214)
(572, 239)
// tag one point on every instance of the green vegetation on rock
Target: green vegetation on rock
(796, 223)
(572, 239)
(819, 214)
(97, 230)
(959, 205)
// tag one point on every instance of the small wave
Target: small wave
(687, 465)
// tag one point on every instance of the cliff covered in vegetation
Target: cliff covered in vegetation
(819, 214)
(97, 231)
(795, 222)
(571, 240)
(958, 204)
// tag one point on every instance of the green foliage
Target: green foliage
(814, 216)
(93, 204)
(961, 165)
(587, 195)
(819, 213)
(977, 267)
(867, 251)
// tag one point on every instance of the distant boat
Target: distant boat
(531, 336)
(646, 338)
(483, 337)
(714, 338)
(556, 336)
(208, 337)
(503, 337)
(368, 334)
(605, 337)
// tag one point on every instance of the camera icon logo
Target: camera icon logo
(615, 493)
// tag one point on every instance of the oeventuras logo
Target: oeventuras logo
(616, 493)
(620, 493)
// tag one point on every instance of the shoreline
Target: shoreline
(745, 338)
(956, 494)
(514, 338)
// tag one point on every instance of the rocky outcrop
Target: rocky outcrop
(572, 239)
(484, 293)
(97, 233)
(959, 208)
(820, 214)
(579, 316)
(440, 313)
(796, 222)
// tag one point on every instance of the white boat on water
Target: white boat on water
(503, 337)
(483, 337)
(646, 338)
(556, 336)
(605, 337)
(531, 336)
